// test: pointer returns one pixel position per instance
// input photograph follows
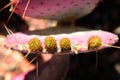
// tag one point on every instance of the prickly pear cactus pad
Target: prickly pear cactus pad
(50, 44)
(35, 45)
(56, 9)
(94, 42)
(80, 42)
(65, 44)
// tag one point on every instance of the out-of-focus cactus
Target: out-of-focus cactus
(65, 10)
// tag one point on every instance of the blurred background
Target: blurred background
(106, 16)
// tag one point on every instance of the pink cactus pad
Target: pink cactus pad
(20, 77)
(79, 40)
(56, 9)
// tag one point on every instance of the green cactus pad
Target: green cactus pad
(65, 44)
(94, 42)
(35, 45)
(50, 44)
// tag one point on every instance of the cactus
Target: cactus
(50, 44)
(65, 44)
(35, 45)
(94, 42)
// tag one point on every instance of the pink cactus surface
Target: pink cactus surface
(20, 77)
(56, 9)
(79, 39)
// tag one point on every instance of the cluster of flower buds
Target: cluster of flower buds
(51, 45)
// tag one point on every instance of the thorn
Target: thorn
(25, 9)
(12, 11)
(6, 6)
